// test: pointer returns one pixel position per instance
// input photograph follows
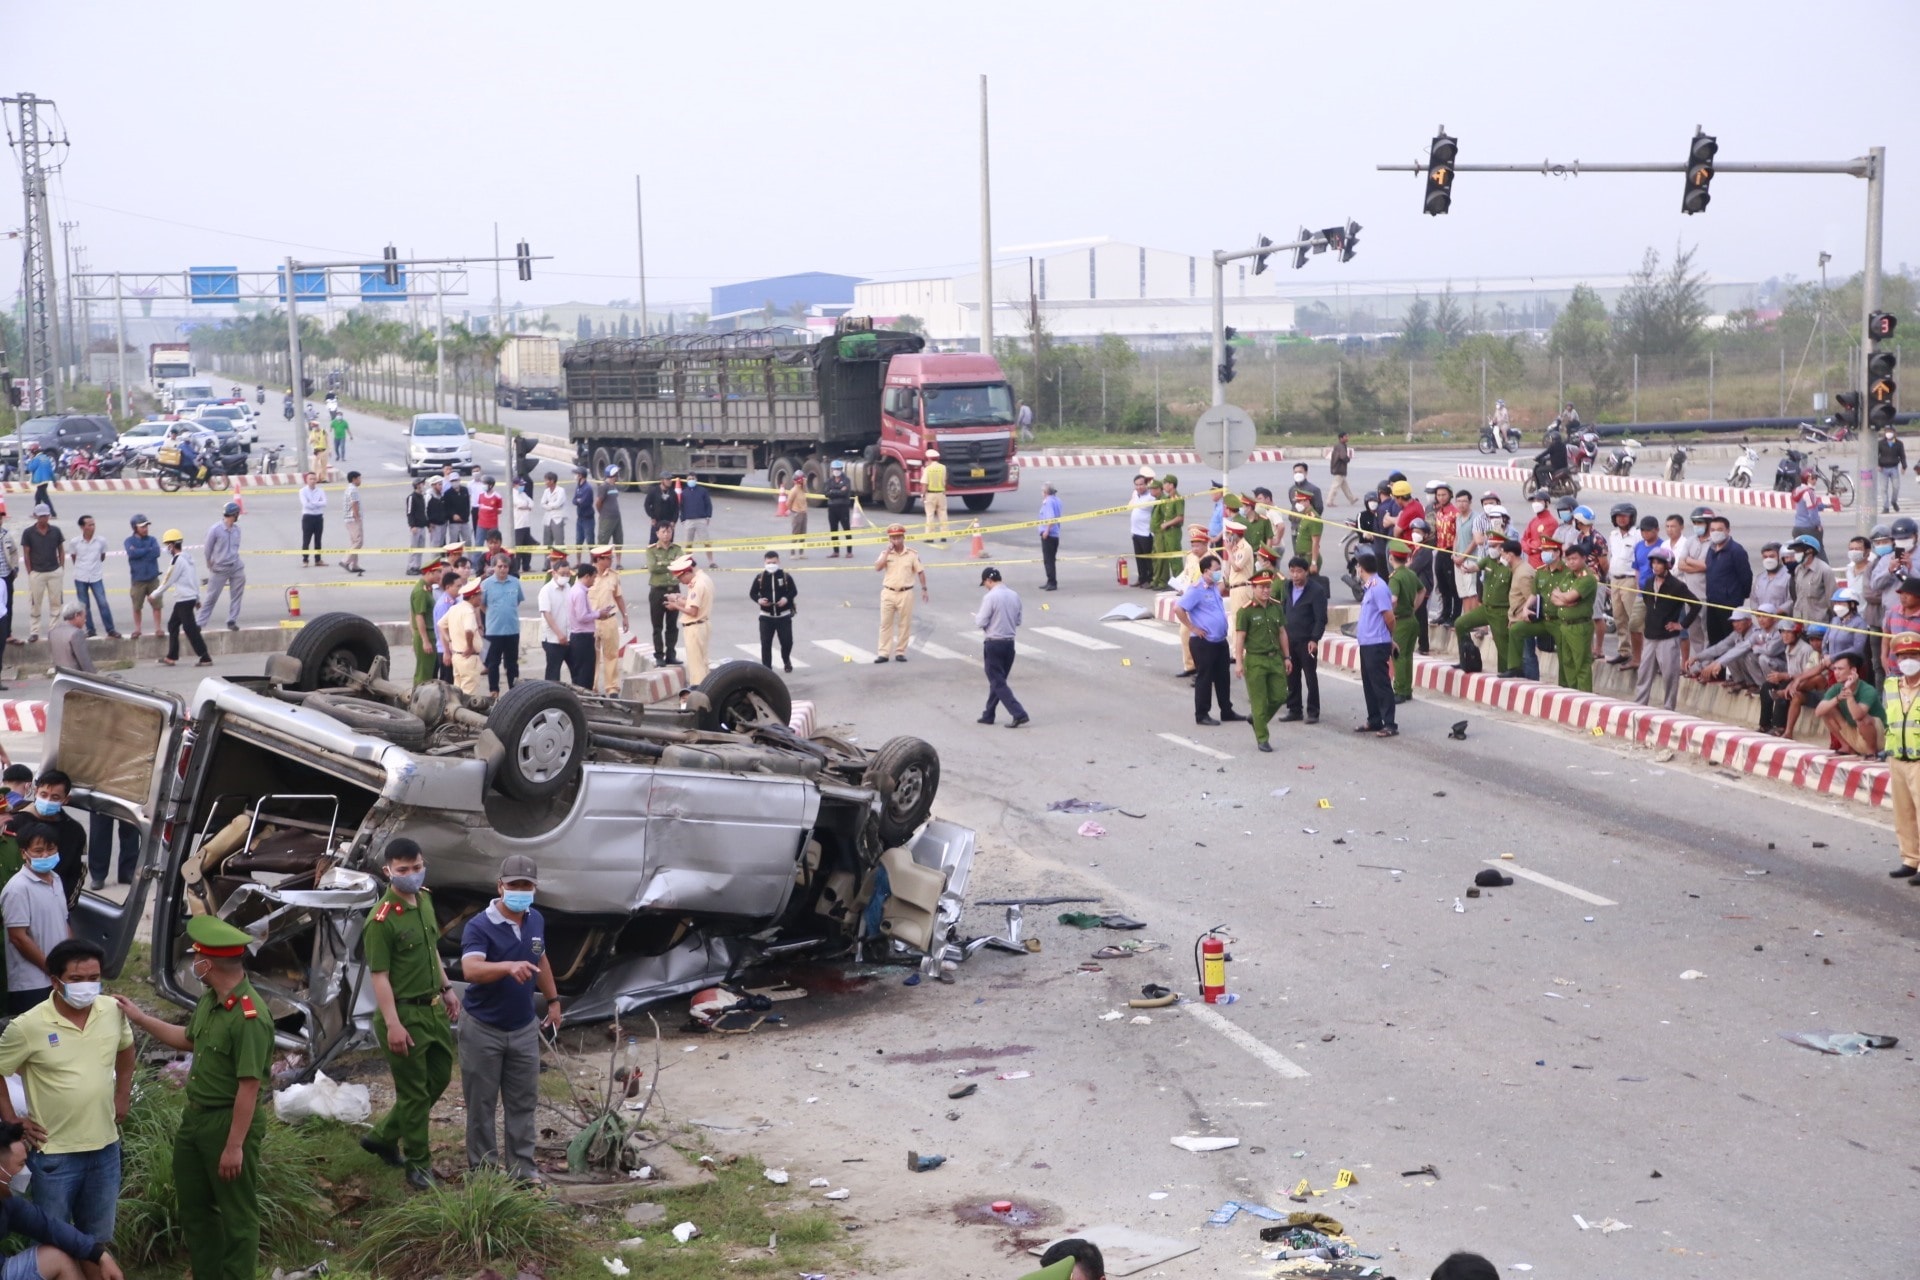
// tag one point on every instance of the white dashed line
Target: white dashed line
(1148, 631)
(1277, 1062)
(1074, 637)
(1571, 891)
(1191, 745)
(841, 649)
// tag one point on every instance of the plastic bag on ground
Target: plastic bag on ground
(326, 1099)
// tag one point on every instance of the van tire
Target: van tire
(333, 646)
(542, 731)
(906, 774)
(742, 694)
(363, 715)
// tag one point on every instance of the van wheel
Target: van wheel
(742, 695)
(543, 732)
(334, 647)
(363, 715)
(906, 774)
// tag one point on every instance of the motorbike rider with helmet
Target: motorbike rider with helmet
(1813, 582)
(1550, 464)
(1628, 606)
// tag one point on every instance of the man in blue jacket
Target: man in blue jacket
(696, 517)
(1729, 578)
(582, 508)
(143, 572)
(59, 1250)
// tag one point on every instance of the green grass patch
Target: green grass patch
(459, 1227)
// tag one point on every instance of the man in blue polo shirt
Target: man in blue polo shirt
(1375, 634)
(503, 953)
(1205, 615)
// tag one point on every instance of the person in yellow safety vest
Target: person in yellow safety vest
(1901, 699)
(1236, 556)
(933, 477)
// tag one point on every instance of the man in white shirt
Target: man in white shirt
(556, 504)
(1689, 547)
(356, 524)
(554, 623)
(88, 556)
(313, 518)
(1140, 525)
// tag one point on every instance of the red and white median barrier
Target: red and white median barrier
(1688, 491)
(1134, 458)
(277, 480)
(18, 715)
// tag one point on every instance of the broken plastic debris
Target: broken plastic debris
(1092, 830)
(778, 1177)
(1610, 1225)
(1691, 974)
(1139, 1020)
(1843, 1043)
(1279, 791)
(1112, 1015)
(1014, 1075)
(1191, 1142)
(917, 1163)
(818, 1182)
(615, 1266)
(841, 1194)
(1077, 805)
(1156, 1195)
(685, 1232)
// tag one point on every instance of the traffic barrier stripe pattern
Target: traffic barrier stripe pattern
(1723, 495)
(20, 715)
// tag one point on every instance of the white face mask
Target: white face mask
(1539, 506)
(1546, 557)
(1910, 666)
(1903, 544)
(1770, 562)
(80, 994)
(1717, 537)
(1856, 555)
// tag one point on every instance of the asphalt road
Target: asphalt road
(1538, 1046)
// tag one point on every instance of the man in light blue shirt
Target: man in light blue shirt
(1217, 522)
(1205, 614)
(1050, 512)
(1375, 634)
(502, 597)
(999, 618)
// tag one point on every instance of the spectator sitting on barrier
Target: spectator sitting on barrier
(1728, 660)
(1783, 659)
(1851, 711)
(1807, 684)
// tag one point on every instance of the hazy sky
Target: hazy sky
(793, 137)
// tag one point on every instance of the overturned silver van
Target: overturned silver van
(678, 844)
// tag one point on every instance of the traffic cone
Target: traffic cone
(978, 551)
(780, 508)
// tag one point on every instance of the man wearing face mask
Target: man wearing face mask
(1729, 578)
(216, 1154)
(34, 909)
(1409, 606)
(1773, 586)
(59, 1252)
(1204, 613)
(1812, 580)
(1496, 585)
(1669, 611)
(49, 806)
(1538, 616)
(1573, 597)
(1303, 485)
(1845, 632)
(1540, 530)
(1890, 459)
(74, 1055)
(503, 956)
(1901, 700)
(414, 1011)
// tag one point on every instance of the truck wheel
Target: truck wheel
(906, 774)
(363, 715)
(333, 647)
(816, 472)
(780, 471)
(642, 465)
(977, 501)
(893, 488)
(543, 734)
(742, 695)
(623, 459)
(598, 464)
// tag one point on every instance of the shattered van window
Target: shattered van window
(109, 746)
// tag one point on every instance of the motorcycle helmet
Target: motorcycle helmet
(1905, 528)
(1627, 509)
(1816, 630)
(1701, 515)
(1417, 523)
(1430, 486)
(1395, 477)
(1879, 533)
(1845, 595)
(1498, 513)
(1490, 495)
(1808, 541)
(1583, 514)
(1540, 495)
(1806, 477)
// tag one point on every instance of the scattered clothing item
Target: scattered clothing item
(1492, 878)
(1849, 1044)
(1232, 1209)
(1091, 829)
(1087, 920)
(1077, 805)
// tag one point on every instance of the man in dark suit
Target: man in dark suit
(1306, 600)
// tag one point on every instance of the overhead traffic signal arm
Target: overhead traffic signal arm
(1440, 154)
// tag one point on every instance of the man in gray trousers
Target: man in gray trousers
(224, 570)
(503, 955)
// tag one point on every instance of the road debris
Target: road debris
(963, 1090)
(1091, 829)
(917, 1163)
(818, 1182)
(1196, 1143)
(1232, 1209)
(1077, 805)
(1424, 1171)
(778, 1177)
(1846, 1044)
(1691, 974)
(841, 1194)
(685, 1232)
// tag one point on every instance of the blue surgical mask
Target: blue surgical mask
(46, 864)
(408, 882)
(48, 808)
(1882, 549)
(1546, 557)
(517, 900)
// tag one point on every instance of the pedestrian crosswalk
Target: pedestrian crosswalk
(1120, 643)
(1074, 637)
(753, 651)
(1154, 631)
(1020, 647)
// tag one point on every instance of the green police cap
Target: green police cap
(212, 936)
(1168, 480)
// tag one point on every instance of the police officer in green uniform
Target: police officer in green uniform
(1496, 583)
(1574, 596)
(1549, 578)
(426, 657)
(1409, 597)
(416, 1006)
(1169, 525)
(1260, 653)
(1259, 533)
(216, 1154)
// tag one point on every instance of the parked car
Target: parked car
(243, 427)
(677, 843)
(435, 439)
(56, 433)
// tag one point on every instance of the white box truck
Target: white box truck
(528, 376)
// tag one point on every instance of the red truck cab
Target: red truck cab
(960, 403)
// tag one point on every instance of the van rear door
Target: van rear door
(121, 746)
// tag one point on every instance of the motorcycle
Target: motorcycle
(260, 395)
(1560, 484)
(286, 411)
(1786, 475)
(1493, 439)
(1582, 450)
(172, 477)
(1620, 461)
(79, 464)
(270, 459)
(1740, 476)
(1677, 462)
(114, 462)
(1810, 434)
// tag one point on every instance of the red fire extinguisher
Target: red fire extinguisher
(1210, 964)
(293, 602)
(1120, 571)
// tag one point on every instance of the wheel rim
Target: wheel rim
(546, 745)
(906, 791)
(338, 668)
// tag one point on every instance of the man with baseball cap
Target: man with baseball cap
(224, 569)
(143, 572)
(694, 604)
(216, 1153)
(899, 568)
(999, 617)
(503, 957)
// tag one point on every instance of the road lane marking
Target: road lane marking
(1148, 631)
(753, 651)
(1191, 745)
(840, 648)
(939, 652)
(1020, 647)
(1074, 637)
(1274, 1060)
(1592, 899)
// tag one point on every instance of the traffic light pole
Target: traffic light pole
(1872, 167)
(1221, 258)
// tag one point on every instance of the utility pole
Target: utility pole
(439, 345)
(986, 233)
(46, 362)
(294, 364)
(640, 241)
(120, 349)
(1869, 303)
(66, 256)
(1343, 239)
